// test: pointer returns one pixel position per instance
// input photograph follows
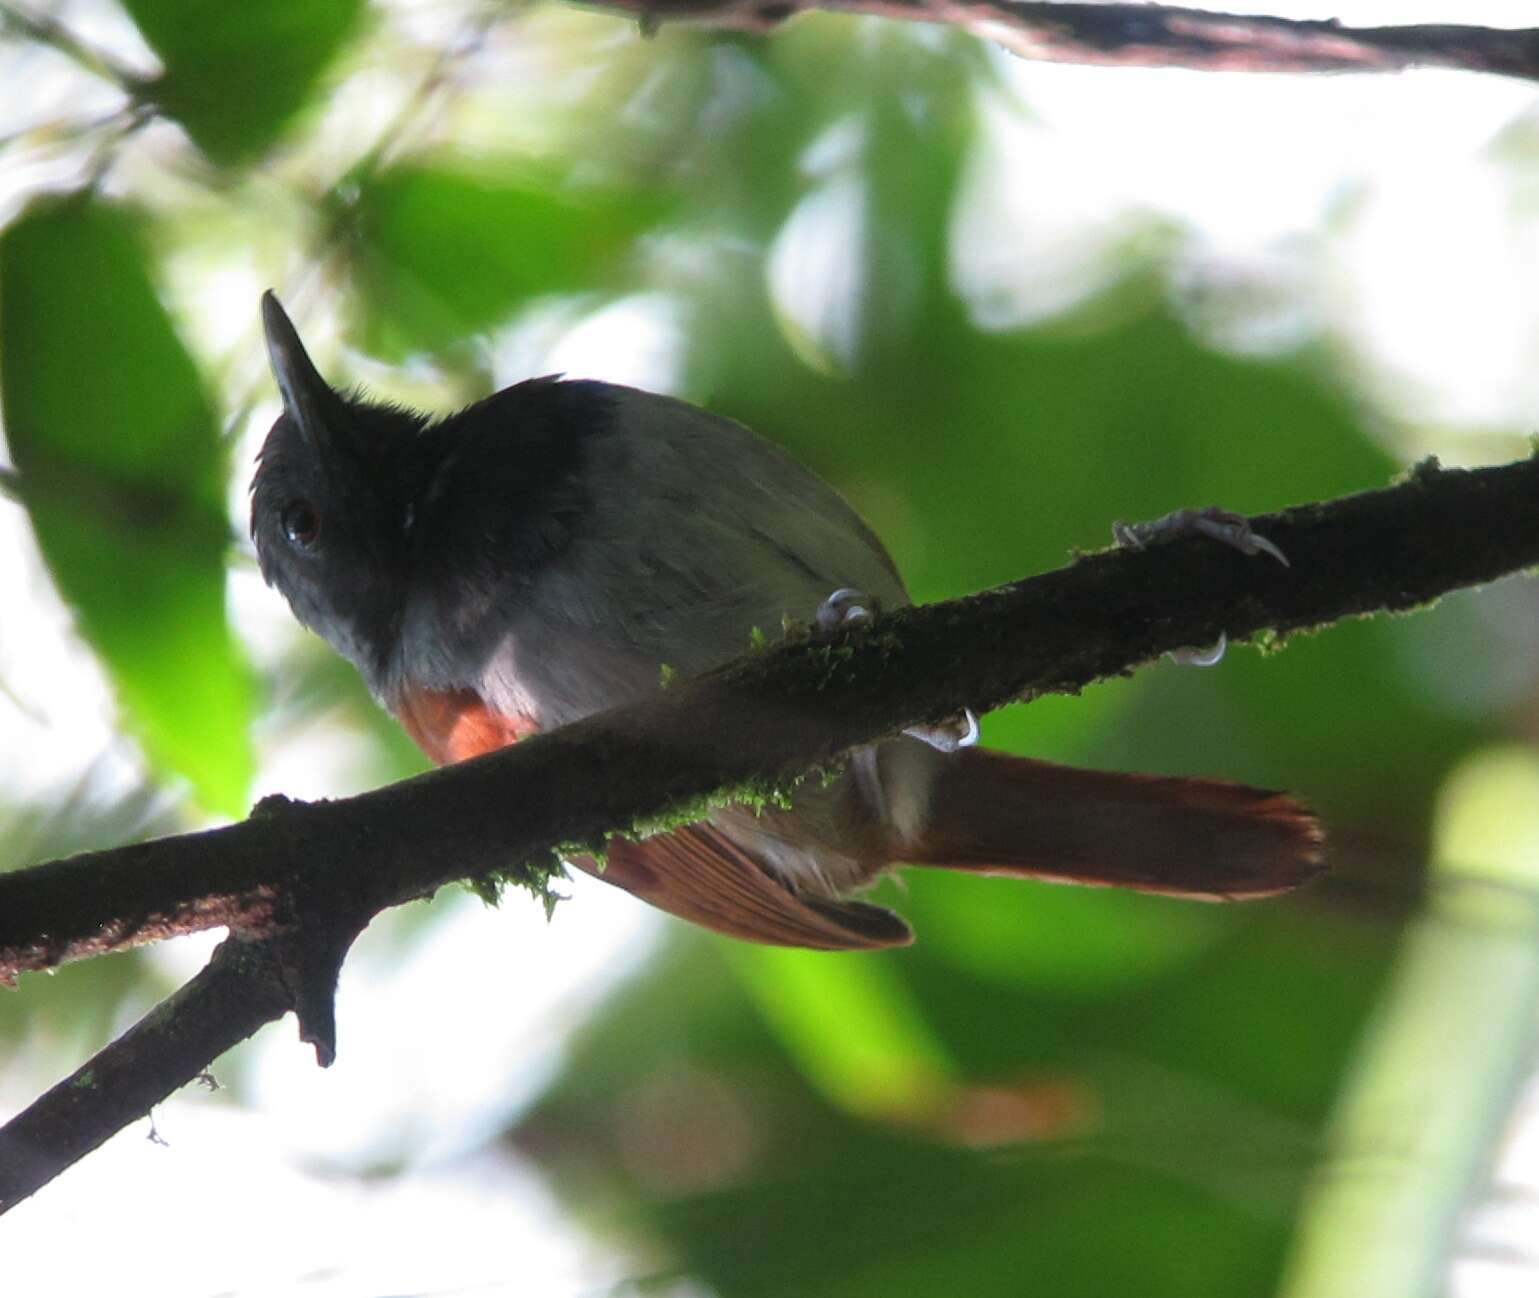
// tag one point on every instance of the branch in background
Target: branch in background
(1154, 36)
(296, 882)
(1109, 34)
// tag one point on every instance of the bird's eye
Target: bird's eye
(301, 524)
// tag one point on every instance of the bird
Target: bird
(542, 554)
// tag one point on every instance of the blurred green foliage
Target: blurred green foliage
(234, 75)
(121, 469)
(1054, 1091)
(441, 255)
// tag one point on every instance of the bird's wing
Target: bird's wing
(699, 874)
(696, 873)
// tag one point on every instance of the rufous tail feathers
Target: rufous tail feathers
(997, 814)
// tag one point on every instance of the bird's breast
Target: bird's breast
(453, 725)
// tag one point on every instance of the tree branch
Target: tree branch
(296, 882)
(241, 989)
(1153, 36)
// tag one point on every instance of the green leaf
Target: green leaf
(235, 74)
(444, 254)
(852, 1025)
(119, 464)
(679, 1120)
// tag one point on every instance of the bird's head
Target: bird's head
(332, 503)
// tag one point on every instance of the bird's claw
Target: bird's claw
(1222, 525)
(960, 731)
(1209, 657)
(846, 605)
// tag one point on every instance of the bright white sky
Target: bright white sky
(1375, 208)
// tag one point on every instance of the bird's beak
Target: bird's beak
(306, 395)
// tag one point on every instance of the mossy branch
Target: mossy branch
(296, 882)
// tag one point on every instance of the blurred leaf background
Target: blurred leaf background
(999, 305)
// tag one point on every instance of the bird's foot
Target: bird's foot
(848, 605)
(1223, 525)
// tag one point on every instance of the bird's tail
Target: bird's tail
(994, 813)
